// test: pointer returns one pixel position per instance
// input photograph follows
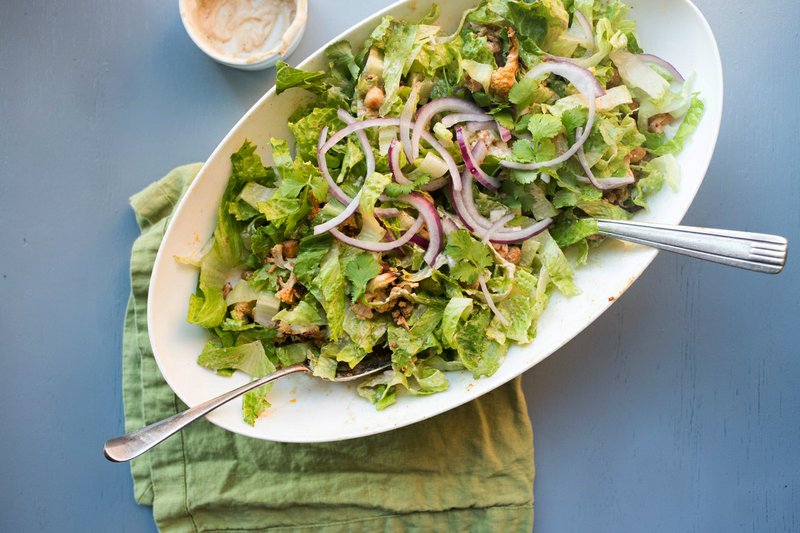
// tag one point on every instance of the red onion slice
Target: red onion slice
(372, 246)
(603, 184)
(432, 221)
(333, 187)
(457, 118)
(467, 211)
(381, 122)
(351, 208)
(516, 236)
(394, 163)
(607, 184)
(496, 227)
(505, 133)
(369, 157)
(357, 126)
(464, 204)
(474, 168)
(663, 63)
(490, 301)
(434, 185)
(421, 241)
(426, 113)
(587, 84)
(445, 155)
(478, 126)
(387, 212)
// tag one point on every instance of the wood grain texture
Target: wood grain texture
(677, 410)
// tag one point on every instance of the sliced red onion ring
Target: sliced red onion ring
(406, 116)
(663, 63)
(426, 113)
(434, 185)
(505, 133)
(490, 301)
(448, 159)
(372, 246)
(457, 118)
(381, 122)
(420, 241)
(369, 157)
(515, 236)
(474, 168)
(394, 163)
(464, 204)
(387, 212)
(351, 208)
(609, 183)
(432, 221)
(587, 84)
(478, 126)
(356, 126)
(603, 184)
(333, 187)
(496, 227)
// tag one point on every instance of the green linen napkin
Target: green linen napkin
(470, 469)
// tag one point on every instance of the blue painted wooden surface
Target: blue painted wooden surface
(678, 410)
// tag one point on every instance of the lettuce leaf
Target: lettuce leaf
(311, 251)
(249, 358)
(247, 166)
(365, 334)
(518, 309)
(457, 309)
(306, 130)
(553, 260)
(330, 283)
(569, 230)
(685, 130)
(381, 390)
(302, 315)
(663, 169)
(287, 77)
(407, 343)
(479, 354)
(397, 49)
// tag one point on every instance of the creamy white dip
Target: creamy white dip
(246, 30)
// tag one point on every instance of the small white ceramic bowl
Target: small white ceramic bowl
(280, 43)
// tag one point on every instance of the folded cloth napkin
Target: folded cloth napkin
(470, 469)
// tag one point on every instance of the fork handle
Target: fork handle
(752, 251)
(135, 443)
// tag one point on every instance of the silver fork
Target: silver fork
(752, 251)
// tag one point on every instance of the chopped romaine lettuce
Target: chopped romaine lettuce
(272, 294)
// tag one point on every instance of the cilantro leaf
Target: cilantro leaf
(360, 270)
(544, 126)
(471, 256)
(523, 151)
(394, 189)
(573, 118)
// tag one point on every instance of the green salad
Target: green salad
(434, 190)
